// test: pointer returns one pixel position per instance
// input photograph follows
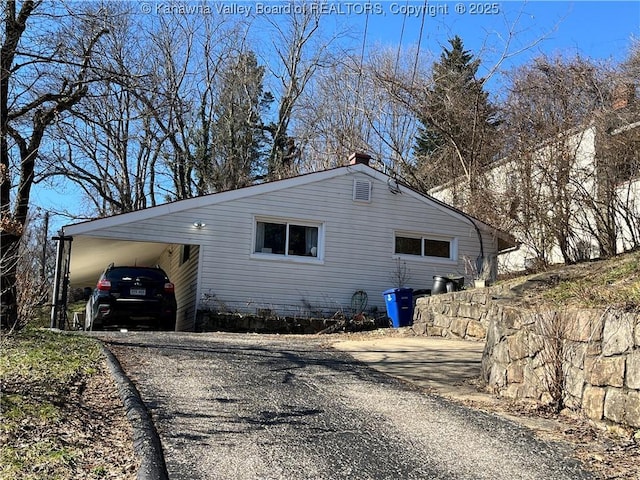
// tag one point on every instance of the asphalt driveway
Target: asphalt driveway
(242, 406)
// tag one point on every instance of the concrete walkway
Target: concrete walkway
(450, 368)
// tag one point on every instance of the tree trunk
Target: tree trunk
(39, 113)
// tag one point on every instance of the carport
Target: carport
(82, 258)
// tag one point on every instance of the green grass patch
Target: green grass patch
(38, 369)
(40, 355)
(614, 282)
(43, 458)
(18, 410)
(623, 271)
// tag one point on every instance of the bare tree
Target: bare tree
(169, 94)
(393, 126)
(46, 67)
(143, 135)
(35, 268)
(551, 105)
(109, 146)
(301, 52)
(331, 124)
(187, 53)
(617, 199)
(349, 109)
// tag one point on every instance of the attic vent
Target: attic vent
(361, 191)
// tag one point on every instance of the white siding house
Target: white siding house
(300, 246)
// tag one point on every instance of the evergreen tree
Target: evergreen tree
(457, 121)
(231, 146)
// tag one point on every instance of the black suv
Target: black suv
(138, 297)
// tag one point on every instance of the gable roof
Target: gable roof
(203, 201)
(89, 226)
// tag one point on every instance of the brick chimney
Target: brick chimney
(357, 157)
(623, 95)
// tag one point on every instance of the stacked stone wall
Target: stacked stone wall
(588, 360)
(463, 314)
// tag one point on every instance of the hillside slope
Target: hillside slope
(612, 282)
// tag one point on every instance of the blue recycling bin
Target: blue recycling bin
(399, 302)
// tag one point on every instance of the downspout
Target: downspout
(480, 259)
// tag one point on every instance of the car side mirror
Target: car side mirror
(86, 293)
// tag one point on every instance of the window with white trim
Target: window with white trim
(287, 238)
(425, 246)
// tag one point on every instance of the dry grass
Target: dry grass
(596, 284)
(61, 414)
(614, 282)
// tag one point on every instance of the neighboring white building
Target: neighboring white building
(506, 180)
(298, 247)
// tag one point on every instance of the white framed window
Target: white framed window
(277, 238)
(423, 245)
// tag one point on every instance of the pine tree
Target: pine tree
(457, 120)
(230, 146)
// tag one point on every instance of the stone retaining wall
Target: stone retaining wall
(208, 321)
(590, 359)
(463, 314)
(587, 360)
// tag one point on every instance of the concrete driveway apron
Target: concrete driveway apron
(239, 406)
(447, 367)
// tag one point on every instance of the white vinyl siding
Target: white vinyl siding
(355, 250)
(183, 273)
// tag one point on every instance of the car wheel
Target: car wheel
(169, 326)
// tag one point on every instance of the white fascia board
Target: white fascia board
(206, 200)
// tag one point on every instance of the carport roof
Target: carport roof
(91, 255)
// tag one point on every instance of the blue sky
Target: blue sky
(596, 29)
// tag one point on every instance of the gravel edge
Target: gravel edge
(146, 441)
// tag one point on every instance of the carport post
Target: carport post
(60, 282)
